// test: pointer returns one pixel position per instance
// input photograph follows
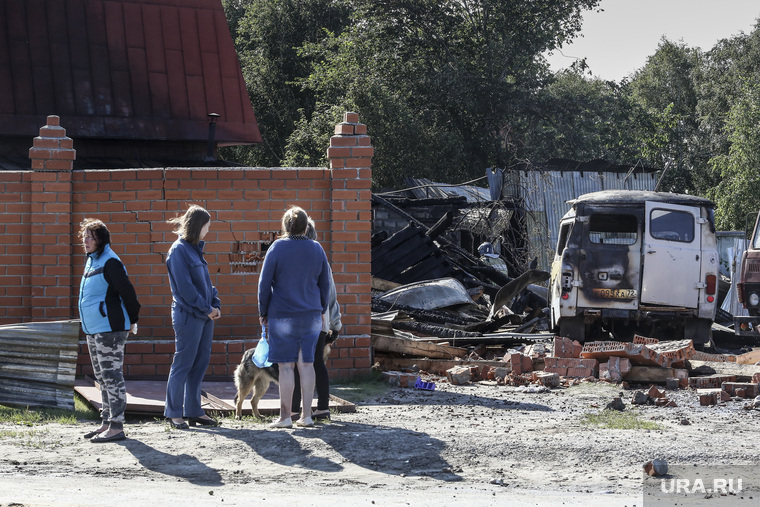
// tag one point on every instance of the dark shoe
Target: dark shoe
(203, 421)
(93, 434)
(321, 417)
(179, 426)
(112, 438)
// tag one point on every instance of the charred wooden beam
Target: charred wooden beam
(440, 227)
(438, 317)
(513, 288)
(433, 330)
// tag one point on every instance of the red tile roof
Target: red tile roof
(122, 69)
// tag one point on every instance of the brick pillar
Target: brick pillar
(52, 234)
(350, 154)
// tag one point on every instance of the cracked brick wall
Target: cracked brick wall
(41, 257)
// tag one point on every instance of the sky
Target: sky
(618, 40)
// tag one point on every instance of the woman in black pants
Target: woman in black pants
(330, 328)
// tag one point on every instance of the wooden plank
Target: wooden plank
(147, 397)
(383, 285)
(741, 371)
(415, 348)
(435, 366)
(749, 358)
(399, 238)
(404, 257)
(653, 374)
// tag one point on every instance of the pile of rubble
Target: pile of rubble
(716, 378)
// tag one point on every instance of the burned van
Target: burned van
(635, 262)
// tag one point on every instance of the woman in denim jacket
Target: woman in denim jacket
(195, 307)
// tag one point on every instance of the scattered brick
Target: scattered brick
(707, 399)
(718, 358)
(637, 353)
(710, 381)
(616, 404)
(654, 392)
(580, 371)
(515, 363)
(724, 396)
(398, 378)
(546, 378)
(527, 363)
(661, 402)
(749, 389)
(458, 375)
(498, 372)
(640, 398)
(565, 347)
(671, 383)
(638, 339)
(677, 351)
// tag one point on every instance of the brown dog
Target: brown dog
(249, 377)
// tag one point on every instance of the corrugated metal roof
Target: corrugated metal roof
(425, 189)
(122, 69)
(37, 363)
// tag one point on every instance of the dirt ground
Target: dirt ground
(483, 444)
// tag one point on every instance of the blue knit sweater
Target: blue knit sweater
(294, 280)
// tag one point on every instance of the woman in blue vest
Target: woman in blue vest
(195, 307)
(108, 310)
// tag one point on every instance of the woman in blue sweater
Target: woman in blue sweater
(294, 288)
(195, 307)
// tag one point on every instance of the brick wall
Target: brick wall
(41, 257)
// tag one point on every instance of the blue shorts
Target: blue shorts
(288, 335)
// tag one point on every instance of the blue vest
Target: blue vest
(93, 310)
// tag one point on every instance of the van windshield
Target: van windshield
(613, 229)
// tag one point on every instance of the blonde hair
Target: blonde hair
(190, 224)
(311, 230)
(294, 222)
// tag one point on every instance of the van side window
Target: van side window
(613, 229)
(672, 225)
(564, 232)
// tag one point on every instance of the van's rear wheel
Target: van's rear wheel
(698, 330)
(573, 328)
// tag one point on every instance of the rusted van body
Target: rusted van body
(748, 287)
(635, 262)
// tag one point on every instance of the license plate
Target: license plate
(615, 293)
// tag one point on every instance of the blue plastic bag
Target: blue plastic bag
(261, 353)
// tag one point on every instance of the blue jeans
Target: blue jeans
(192, 341)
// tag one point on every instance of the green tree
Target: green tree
(586, 118)
(267, 35)
(441, 84)
(665, 88)
(738, 192)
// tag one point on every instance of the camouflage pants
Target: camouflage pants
(107, 355)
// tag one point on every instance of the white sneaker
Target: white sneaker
(305, 423)
(282, 423)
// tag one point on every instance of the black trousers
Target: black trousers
(322, 381)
